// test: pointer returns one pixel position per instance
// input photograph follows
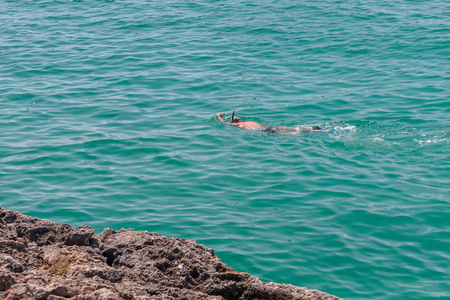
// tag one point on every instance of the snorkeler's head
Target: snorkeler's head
(236, 120)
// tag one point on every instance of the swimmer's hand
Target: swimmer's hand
(221, 115)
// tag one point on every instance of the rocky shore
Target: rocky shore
(40, 259)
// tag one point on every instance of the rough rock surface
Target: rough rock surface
(44, 260)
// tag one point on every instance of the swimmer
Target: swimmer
(283, 130)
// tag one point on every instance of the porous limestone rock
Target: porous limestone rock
(40, 259)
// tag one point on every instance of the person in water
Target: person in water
(235, 121)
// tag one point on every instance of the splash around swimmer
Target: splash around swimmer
(283, 130)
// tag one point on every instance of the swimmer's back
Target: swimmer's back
(248, 125)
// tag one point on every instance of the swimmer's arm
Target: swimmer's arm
(221, 115)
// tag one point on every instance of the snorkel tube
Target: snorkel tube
(232, 117)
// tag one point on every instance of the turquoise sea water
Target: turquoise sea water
(107, 113)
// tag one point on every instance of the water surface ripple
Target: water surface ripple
(107, 116)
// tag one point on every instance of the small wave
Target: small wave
(339, 129)
(432, 138)
(345, 128)
(432, 141)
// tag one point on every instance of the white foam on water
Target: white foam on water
(432, 141)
